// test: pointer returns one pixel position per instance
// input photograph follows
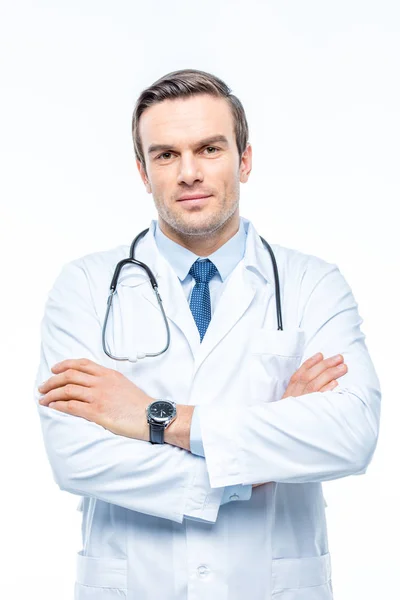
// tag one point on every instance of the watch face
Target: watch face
(161, 410)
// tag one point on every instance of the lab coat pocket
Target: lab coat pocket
(307, 578)
(274, 356)
(100, 578)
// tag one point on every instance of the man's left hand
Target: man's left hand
(86, 389)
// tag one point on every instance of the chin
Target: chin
(201, 226)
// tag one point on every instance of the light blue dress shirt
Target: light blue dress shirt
(225, 259)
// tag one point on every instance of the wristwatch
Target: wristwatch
(160, 414)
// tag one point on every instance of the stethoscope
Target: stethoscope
(153, 281)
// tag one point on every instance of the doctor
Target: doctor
(225, 500)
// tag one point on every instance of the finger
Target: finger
(327, 363)
(326, 377)
(303, 375)
(80, 364)
(68, 376)
(329, 387)
(67, 393)
(310, 362)
(73, 407)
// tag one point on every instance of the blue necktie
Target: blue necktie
(200, 304)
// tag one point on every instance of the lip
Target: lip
(198, 197)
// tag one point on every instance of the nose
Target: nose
(189, 171)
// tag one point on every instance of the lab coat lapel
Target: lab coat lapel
(254, 270)
(177, 307)
(173, 298)
(234, 301)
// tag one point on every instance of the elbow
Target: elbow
(365, 455)
(365, 450)
(67, 481)
(364, 431)
(59, 469)
(64, 464)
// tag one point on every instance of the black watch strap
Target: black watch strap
(157, 433)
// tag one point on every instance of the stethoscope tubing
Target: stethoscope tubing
(153, 281)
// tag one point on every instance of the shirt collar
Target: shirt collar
(181, 259)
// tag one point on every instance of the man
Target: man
(225, 502)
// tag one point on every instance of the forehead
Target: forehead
(185, 120)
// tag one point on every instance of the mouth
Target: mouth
(194, 200)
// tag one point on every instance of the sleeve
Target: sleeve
(316, 437)
(231, 492)
(88, 460)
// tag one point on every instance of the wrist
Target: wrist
(178, 433)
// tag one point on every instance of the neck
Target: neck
(203, 245)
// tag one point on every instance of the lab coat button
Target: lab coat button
(234, 497)
(203, 571)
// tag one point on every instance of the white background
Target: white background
(320, 84)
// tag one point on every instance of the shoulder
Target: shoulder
(313, 282)
(300, 265)
(95, 265)
(101, 265)
(295, 268)
(310, 282)
(87, 278)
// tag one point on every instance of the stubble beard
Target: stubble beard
(203, 227)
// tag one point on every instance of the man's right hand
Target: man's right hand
(316, 374)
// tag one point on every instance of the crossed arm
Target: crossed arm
(86, 389)
(88, 458)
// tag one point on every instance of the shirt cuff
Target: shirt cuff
(231, 493)
(237, 492)
(196, 442)
(202, 502)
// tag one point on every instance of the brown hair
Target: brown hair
(183, 83)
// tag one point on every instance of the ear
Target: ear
(246, 164)
(143, 176)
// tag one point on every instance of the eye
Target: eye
(163, 154)
(211, 148)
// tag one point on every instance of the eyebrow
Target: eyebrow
(205, 142)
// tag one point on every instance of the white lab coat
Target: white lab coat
(136, 542)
